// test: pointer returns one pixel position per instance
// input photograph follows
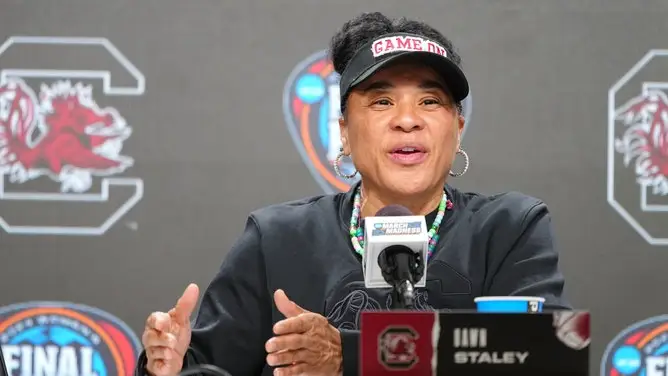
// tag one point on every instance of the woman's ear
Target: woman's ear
(461, 122)
(343, 129)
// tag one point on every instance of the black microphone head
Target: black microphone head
(394, 211)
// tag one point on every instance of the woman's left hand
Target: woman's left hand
(304, 343)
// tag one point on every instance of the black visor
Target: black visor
(389, 47)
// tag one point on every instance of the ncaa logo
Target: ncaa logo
(639, 350)
(54, 338)
(62, 139)
(311, 106)
(638, 147)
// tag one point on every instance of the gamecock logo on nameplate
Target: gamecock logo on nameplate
(638, 147)
(397, 348)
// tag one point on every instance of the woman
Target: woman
(401, 88)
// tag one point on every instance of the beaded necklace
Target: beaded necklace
(357, 233)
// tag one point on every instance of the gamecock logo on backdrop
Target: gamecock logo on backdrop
(639, 350)
(638, 147)
(54, 338)
(61, 141)
(397, 348)
(311, 106)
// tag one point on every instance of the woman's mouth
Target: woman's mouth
(408, 155)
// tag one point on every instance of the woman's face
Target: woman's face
(402, 129)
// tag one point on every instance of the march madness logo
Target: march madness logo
(52, 338)
(397, 348)
(639, 350)
(311, 105)
(638, 147)
(61, 138)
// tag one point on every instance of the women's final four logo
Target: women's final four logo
(311, 106)
(639, 350)
(55, 338)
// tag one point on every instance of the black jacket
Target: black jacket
(489, 245)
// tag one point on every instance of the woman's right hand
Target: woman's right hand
(167, 335)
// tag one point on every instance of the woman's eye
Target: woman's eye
(382, 102)
(431, 101)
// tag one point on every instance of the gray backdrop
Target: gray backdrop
(210, 142)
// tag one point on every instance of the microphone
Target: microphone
(204, 369)
(396, 243)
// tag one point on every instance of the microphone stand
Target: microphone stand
(400, 267)
(403, 295)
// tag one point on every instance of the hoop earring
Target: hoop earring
(337, 168)
(466, 164)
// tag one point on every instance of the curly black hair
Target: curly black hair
(367, 26)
